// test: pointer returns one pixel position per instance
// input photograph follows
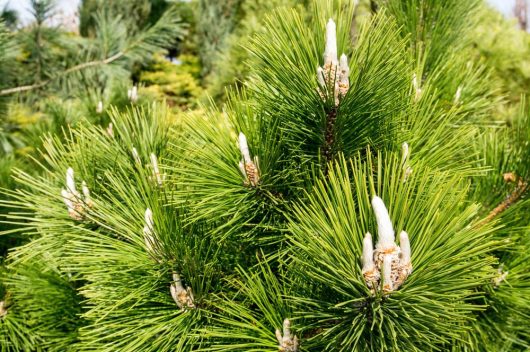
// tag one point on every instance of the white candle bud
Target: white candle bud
(243, 147)
(404, 153)
(70, 181)
(385, 231)
(344, 69)
(387, 274)
(99, 107)
(286, 329)
(242, 169)
(416, 86)
(287, 342)
(136, 156)
(344, 76)
(330, 53)
(110, 130)
(368, 253)
(156, 170)
(86, 195)
(68, 199)
(3, 310)
(132, 94)
(458, 94)
(404, 245)
(149, 223)
(321, 77)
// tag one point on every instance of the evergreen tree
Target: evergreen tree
(353, 196)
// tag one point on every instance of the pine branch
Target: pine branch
(518, 192)
(79, 67)
(154, 38)
(329, 138)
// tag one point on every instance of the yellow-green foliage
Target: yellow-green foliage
(176, 83)
(506, 49)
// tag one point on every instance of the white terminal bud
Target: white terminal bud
(404, 245)
(86, 195)
(385, 231)
(149, 223)
(243, 147)
(3, 310)
(76, 204)
(183, 297)
(149, 239)
(110, 130)
(368, 253)
(344, 68)
(404, 153)
(70, 182)
(344, 76)
(136, 156)
(68, 200)
(132, 94)
(156, 170)
(458, 95)
(99, 107)
(321, 77)
(330, 52)
(242, 169)
(417, 88)
(287, 342)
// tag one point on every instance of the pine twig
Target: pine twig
(522, 187)
(62, 74)
(329, 135)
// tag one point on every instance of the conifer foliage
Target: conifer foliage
(346, 199)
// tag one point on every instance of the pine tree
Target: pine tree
(352, 196)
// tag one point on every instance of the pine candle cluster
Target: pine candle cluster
(77, 205)
(157, 177)
(389, 265)
(334, 76)
(287, 342)
(248, 167)
(183, 297)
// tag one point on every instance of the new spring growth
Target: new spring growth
(417, 88)
(132, 94)
(76, 203)
(156, 170)
(149, 232)
(249, 168)
(458, 95)
(136, 156)
(334, 76)
(287, 342)
(99, 107)
(388, 266)
(501, 276)
(3, 310)
(110, 130)
(407, 170)
(183, 297)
